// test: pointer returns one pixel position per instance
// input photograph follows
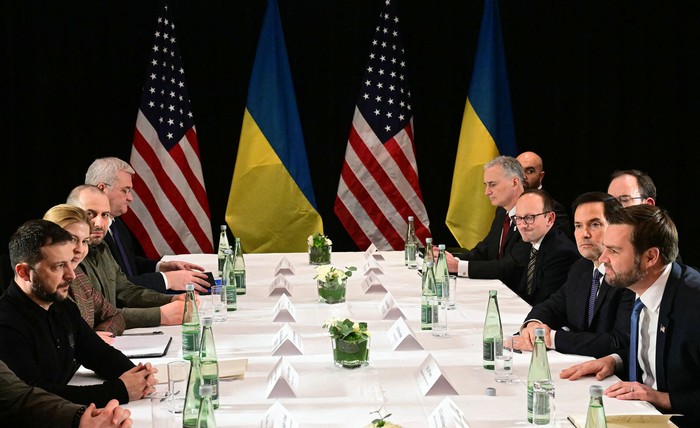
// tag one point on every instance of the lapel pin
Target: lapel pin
(662, 328)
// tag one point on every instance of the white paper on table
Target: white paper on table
(372, 266)
(372, 284)
(280, 286)
(277, 416)
(628, 421)
(284, 310)
(390, 309)
(282, 381)
(431, 380)
(284, 267)
(287, 342)
(402, 337)
(447, 415)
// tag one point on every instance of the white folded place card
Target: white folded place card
(282, 381)
(390, 309)
(280, 285)
(402, 338)
(447, 415)
(431, 380)
(277, 416)
(284, 267)
(287, 342)
(372, 284)
(373, 252)
(284, 310)
(372, 266)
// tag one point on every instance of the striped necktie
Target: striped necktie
(634, 333)
(594, 293)
(531, 272)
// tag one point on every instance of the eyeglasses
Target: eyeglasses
(125, 190)
(528, 219)
(627, 198)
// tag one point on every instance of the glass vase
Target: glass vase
(350, 354)
(331, 292)
(320, 255)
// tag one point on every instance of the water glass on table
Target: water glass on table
(503, 360)
(452, 293)
(439, 327)
(178, 372)
(161, 414)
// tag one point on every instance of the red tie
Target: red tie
(506, 227)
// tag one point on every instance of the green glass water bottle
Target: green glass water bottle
(596, 412)
(190, 412)
(223, 245)
(239, 267)
(228, 282)
(493, 330)
(428, 313)
(190, 324)
(208, 360)
(539, 368)
(206, 418)
(411, 244)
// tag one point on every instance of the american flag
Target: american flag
(170, 211)
(378, 186)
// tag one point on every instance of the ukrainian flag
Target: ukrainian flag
(487, 132)
(271, 206)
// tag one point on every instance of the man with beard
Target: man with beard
(43, 337)
(142, 307)
(662, 365)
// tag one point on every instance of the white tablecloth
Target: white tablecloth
(331, 396)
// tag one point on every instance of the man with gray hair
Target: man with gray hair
(114, 177)
(502, 254)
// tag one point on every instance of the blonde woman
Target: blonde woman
(101, 316)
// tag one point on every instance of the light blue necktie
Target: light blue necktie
(634, 329)
(594, 293)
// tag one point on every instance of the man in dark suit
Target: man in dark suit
(502, 254)
(663, 362)
(113, 177)
(632, 187)
(586, 316)
(551, 252)
(533, 167)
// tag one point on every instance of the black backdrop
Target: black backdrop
(595, 85)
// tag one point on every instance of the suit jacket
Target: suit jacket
(484, 262)
(144, 273)
(562, 220)
(22, 405)
(566, 311)
(678, 344)
(554, 259)
(141, 306)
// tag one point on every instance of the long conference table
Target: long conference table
(326, 395)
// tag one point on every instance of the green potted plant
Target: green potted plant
(331, 283)
(350, 341)
(320, 249)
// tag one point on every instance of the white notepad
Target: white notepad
(143, 346)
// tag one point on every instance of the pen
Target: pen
(143, 334)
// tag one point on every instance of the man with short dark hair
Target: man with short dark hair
(632, 187)
(662, 364)
(551, 252)
(43, 337)
(586, 316)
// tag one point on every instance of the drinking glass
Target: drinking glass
(543, 409)
(439, 328)
(452, 296)
(178, 371)
(503, 360)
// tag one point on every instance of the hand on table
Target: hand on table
(139, 381)
(111, 416)
(639, 391)
(601, 368)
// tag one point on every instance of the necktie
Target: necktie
(506, 228)
(594, 293)
(115, 234)
(634, 330)
(531, 272)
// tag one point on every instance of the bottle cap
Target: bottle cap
(207, 321)
(205, 390)
(223, 227)
(410, 218)
(493, 292)
(189, 287)
(429, 264)
(596, 391)
(539, 331)
(441, 247)
(490, 391)
(428, 240)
